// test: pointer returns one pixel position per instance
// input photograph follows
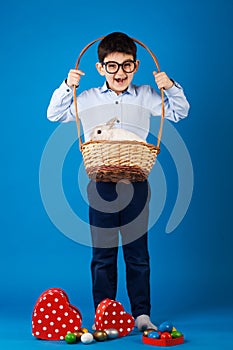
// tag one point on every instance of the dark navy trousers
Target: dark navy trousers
(120, 211)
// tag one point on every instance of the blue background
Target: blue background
(192, 267)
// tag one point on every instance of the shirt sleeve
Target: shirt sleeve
(176, 104)
(61, 107)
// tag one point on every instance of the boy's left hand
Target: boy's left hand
(162, 80)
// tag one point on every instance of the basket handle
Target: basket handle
(161, 90)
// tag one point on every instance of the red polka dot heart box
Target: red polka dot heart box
(111, 314)
(53, 316)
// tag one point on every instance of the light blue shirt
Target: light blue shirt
(133, 108)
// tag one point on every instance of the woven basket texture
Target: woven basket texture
(116, 160)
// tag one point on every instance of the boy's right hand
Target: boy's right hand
(74, 76)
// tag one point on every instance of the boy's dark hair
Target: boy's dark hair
(116, 42)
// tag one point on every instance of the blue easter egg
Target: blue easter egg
(153, 335)
(166, 327)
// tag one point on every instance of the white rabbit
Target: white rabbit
(107, 132)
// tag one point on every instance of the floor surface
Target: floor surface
(212, 329)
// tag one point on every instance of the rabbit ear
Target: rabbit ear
(111, 122)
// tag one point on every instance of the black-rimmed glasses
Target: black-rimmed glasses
(113, 67)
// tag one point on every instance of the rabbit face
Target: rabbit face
(98, 134)
(101, 132)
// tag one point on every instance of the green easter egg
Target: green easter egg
(176, 334)
(70, 338)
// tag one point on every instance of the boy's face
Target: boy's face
(118, 77)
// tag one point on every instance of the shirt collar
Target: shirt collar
(130, 90)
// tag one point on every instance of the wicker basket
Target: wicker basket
(116, 160)
(111, 161)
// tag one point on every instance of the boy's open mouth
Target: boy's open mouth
(120, 80)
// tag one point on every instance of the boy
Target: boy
(121, 207)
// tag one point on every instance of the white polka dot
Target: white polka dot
(78, 316)
(41, 309)
(114, 313)
(35, 314)
(56, 300)
(99, 318)
(44, 298)
(63, 326)
(98, 311)
(33, 326)
(128, 329)
(114, 304)
(122, 313)
(51, 323)
(129, 320)
(49, 305)
(66, 314)
(37, 333)
(56, 331)
(61, 337)
(71, 321)
(44, 328)
(49, 335)
(106, 313)
(46, 316)
(121, 321)
(54, 312)
(113, 321)
(121, 329)
(50, 293)
(61, 307)
(39, 321)
(68, 332)
(59, 318)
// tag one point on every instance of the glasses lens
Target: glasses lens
(111, 67)
(128, 66)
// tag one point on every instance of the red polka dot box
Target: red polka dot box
(111, 314)
(53, 316)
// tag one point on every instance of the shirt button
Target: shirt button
(116, 102)
(68, 90)
(118, 121)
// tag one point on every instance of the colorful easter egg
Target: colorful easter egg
(147, 331)
(153, 335)
(78, 334)
(112, 333)
(165, 326)
(70, 338)
(84, 330)
(100, 335)
(176, 334)
(86, 338)
(165, 335)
